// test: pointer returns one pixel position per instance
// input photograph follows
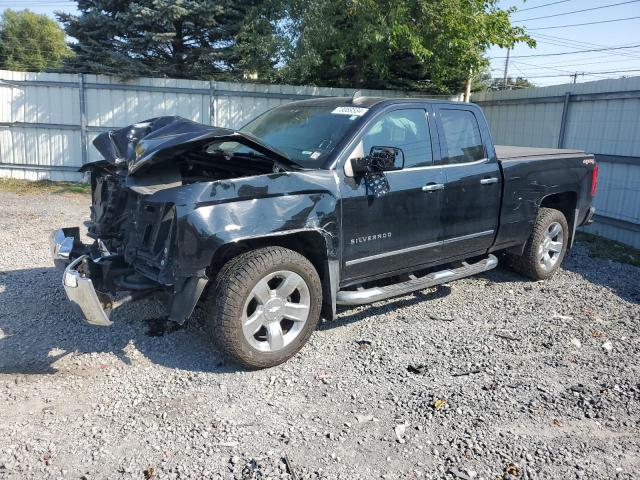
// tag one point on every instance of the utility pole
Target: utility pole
(467, 87)
(506, 69)
(575, 76)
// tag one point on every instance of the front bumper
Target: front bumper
(82, 294)
(62, 243)
(76, 279)
(80, 261)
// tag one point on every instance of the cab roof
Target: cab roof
(369, 102)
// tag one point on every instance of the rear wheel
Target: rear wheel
(264, 306)
(546, 247)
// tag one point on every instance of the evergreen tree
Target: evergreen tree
(31, 42)
(203, 39)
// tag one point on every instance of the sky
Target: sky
(570, 39)
(547, 69)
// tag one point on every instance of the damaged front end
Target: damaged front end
(143, 214)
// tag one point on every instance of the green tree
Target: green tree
(175, 38)
(31, 42)
(481, 80)
(424, 45)
(512, 83)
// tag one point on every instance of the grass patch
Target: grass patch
(27, 187)
(608, 249)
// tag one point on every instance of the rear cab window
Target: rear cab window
(462, 142)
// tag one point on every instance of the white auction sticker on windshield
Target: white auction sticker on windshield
(357, 111)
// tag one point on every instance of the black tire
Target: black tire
(530, 263)
(226, 303)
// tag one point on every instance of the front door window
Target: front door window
(405, 129)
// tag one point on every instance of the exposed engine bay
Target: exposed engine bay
(115, 194)
(135, 234)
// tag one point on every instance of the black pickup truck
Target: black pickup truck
(317, 203)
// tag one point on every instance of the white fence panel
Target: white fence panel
(48, 120)
(605, 126)
(40, 147)
(141, 99)
(601, 117)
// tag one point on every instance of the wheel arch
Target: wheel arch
(566, 203)
(315, 245)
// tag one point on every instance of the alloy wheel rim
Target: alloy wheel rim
(276, 311)
(550, 248)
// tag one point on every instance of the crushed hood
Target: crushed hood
(162, 138)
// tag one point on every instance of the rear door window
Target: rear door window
(462, 140)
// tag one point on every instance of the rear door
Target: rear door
(473, 183)
(401, 228)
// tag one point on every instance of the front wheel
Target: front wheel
(546, 246)
(264, 306)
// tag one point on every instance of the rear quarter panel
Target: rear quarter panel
(527, 181)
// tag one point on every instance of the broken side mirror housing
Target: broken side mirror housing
(380, 159)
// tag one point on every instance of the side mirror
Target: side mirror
(380, 159)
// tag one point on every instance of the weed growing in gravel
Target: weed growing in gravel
(27, 187)
(608, 249)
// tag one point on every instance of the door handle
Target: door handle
(432, 187)
(488, 181)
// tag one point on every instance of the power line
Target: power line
(570, 40)
(540, 6)
(577, 11)
(570, 53)
(577, 46)
(578, 43)
(588, 23)
(544, 67)
(591, 74)
(549, 65)
(566, 72)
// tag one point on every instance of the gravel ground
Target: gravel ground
(488, 377)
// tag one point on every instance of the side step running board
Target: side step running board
(375, 294)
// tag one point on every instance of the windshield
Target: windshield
(306, 133)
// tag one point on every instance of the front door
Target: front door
(473, 183)
(399, 229)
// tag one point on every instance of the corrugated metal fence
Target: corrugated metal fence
(47, 123)
(601, 117)
(48, 120)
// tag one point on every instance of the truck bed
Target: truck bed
(510, 152)
(529, 175)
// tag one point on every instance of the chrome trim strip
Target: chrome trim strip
(440, 165)
(465, 164)
(467, 237)
(378, 256)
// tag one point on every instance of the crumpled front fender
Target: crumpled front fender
(213, 214)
